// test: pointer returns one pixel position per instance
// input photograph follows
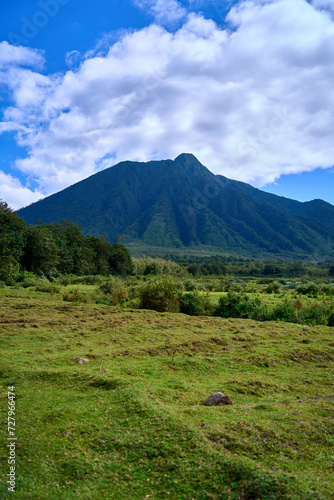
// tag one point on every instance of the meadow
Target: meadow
(130, 423)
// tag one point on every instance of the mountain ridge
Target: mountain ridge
(181, 204)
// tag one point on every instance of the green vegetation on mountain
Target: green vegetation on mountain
(181, 205)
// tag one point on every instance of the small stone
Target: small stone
(299, 397)
(217, 399)
(81, 360)
(306, 328)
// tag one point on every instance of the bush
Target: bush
(234, 305)
(273, 287)
(310, 289)
(327, 289)
(189, 285)
(74, 296)
(194, 304)
(88, 280)
(115, 290)
(9, 270)
(314, 313)
(161, 295)
(29, 282)
(285, 311)
(65, 280)
(47, 287)
(155, 266)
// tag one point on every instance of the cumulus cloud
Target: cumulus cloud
(15, 194)
(252, 102)
(324, 5)
(13, 56)
(165, 12)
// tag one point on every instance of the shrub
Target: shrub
(29, 282)
(310, 289)
(88, 280)
(194, 304)
(285, 311)
(189, 285)
(65, 280)
(160, 295)
(273, 287)
(331, 320)
(235, 305)
(156, 266)
(74, 296)
(327, 289)
(115, 290)
(315, 313)
(9, 270)
(47, 287)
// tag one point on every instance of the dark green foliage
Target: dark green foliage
(74, 296)
(273, 287)
(53, 249)
(41, 253)
(115, 291)
(47, 287)
(194, 269)
(161, 295)
(236, 305)
(310, 289)
(120, 260)
(331, 320)
(11, 243)
(194, 304)
(151, 269)
(285, 311)
(9, 220)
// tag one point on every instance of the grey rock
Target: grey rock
(306, 329)
(217, 399)
(81, 360)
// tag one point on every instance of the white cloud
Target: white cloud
(16, 195)
(72, 58)
(252, 103)
(165, 12)
(12, 56)
(324, 5)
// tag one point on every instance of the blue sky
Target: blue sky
(247, 86)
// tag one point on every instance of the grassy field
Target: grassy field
(130, 423)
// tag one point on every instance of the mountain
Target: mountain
(181, 204)
(316, 209)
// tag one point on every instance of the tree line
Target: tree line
(53, 249)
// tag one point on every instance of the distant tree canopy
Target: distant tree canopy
(59, 248)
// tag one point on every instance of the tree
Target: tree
(9, 220)
(11, 242)
(41, 253)
(120, 260)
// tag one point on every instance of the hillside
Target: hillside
(181, 204)
(316, 209)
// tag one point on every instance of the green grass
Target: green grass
(130, 423)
